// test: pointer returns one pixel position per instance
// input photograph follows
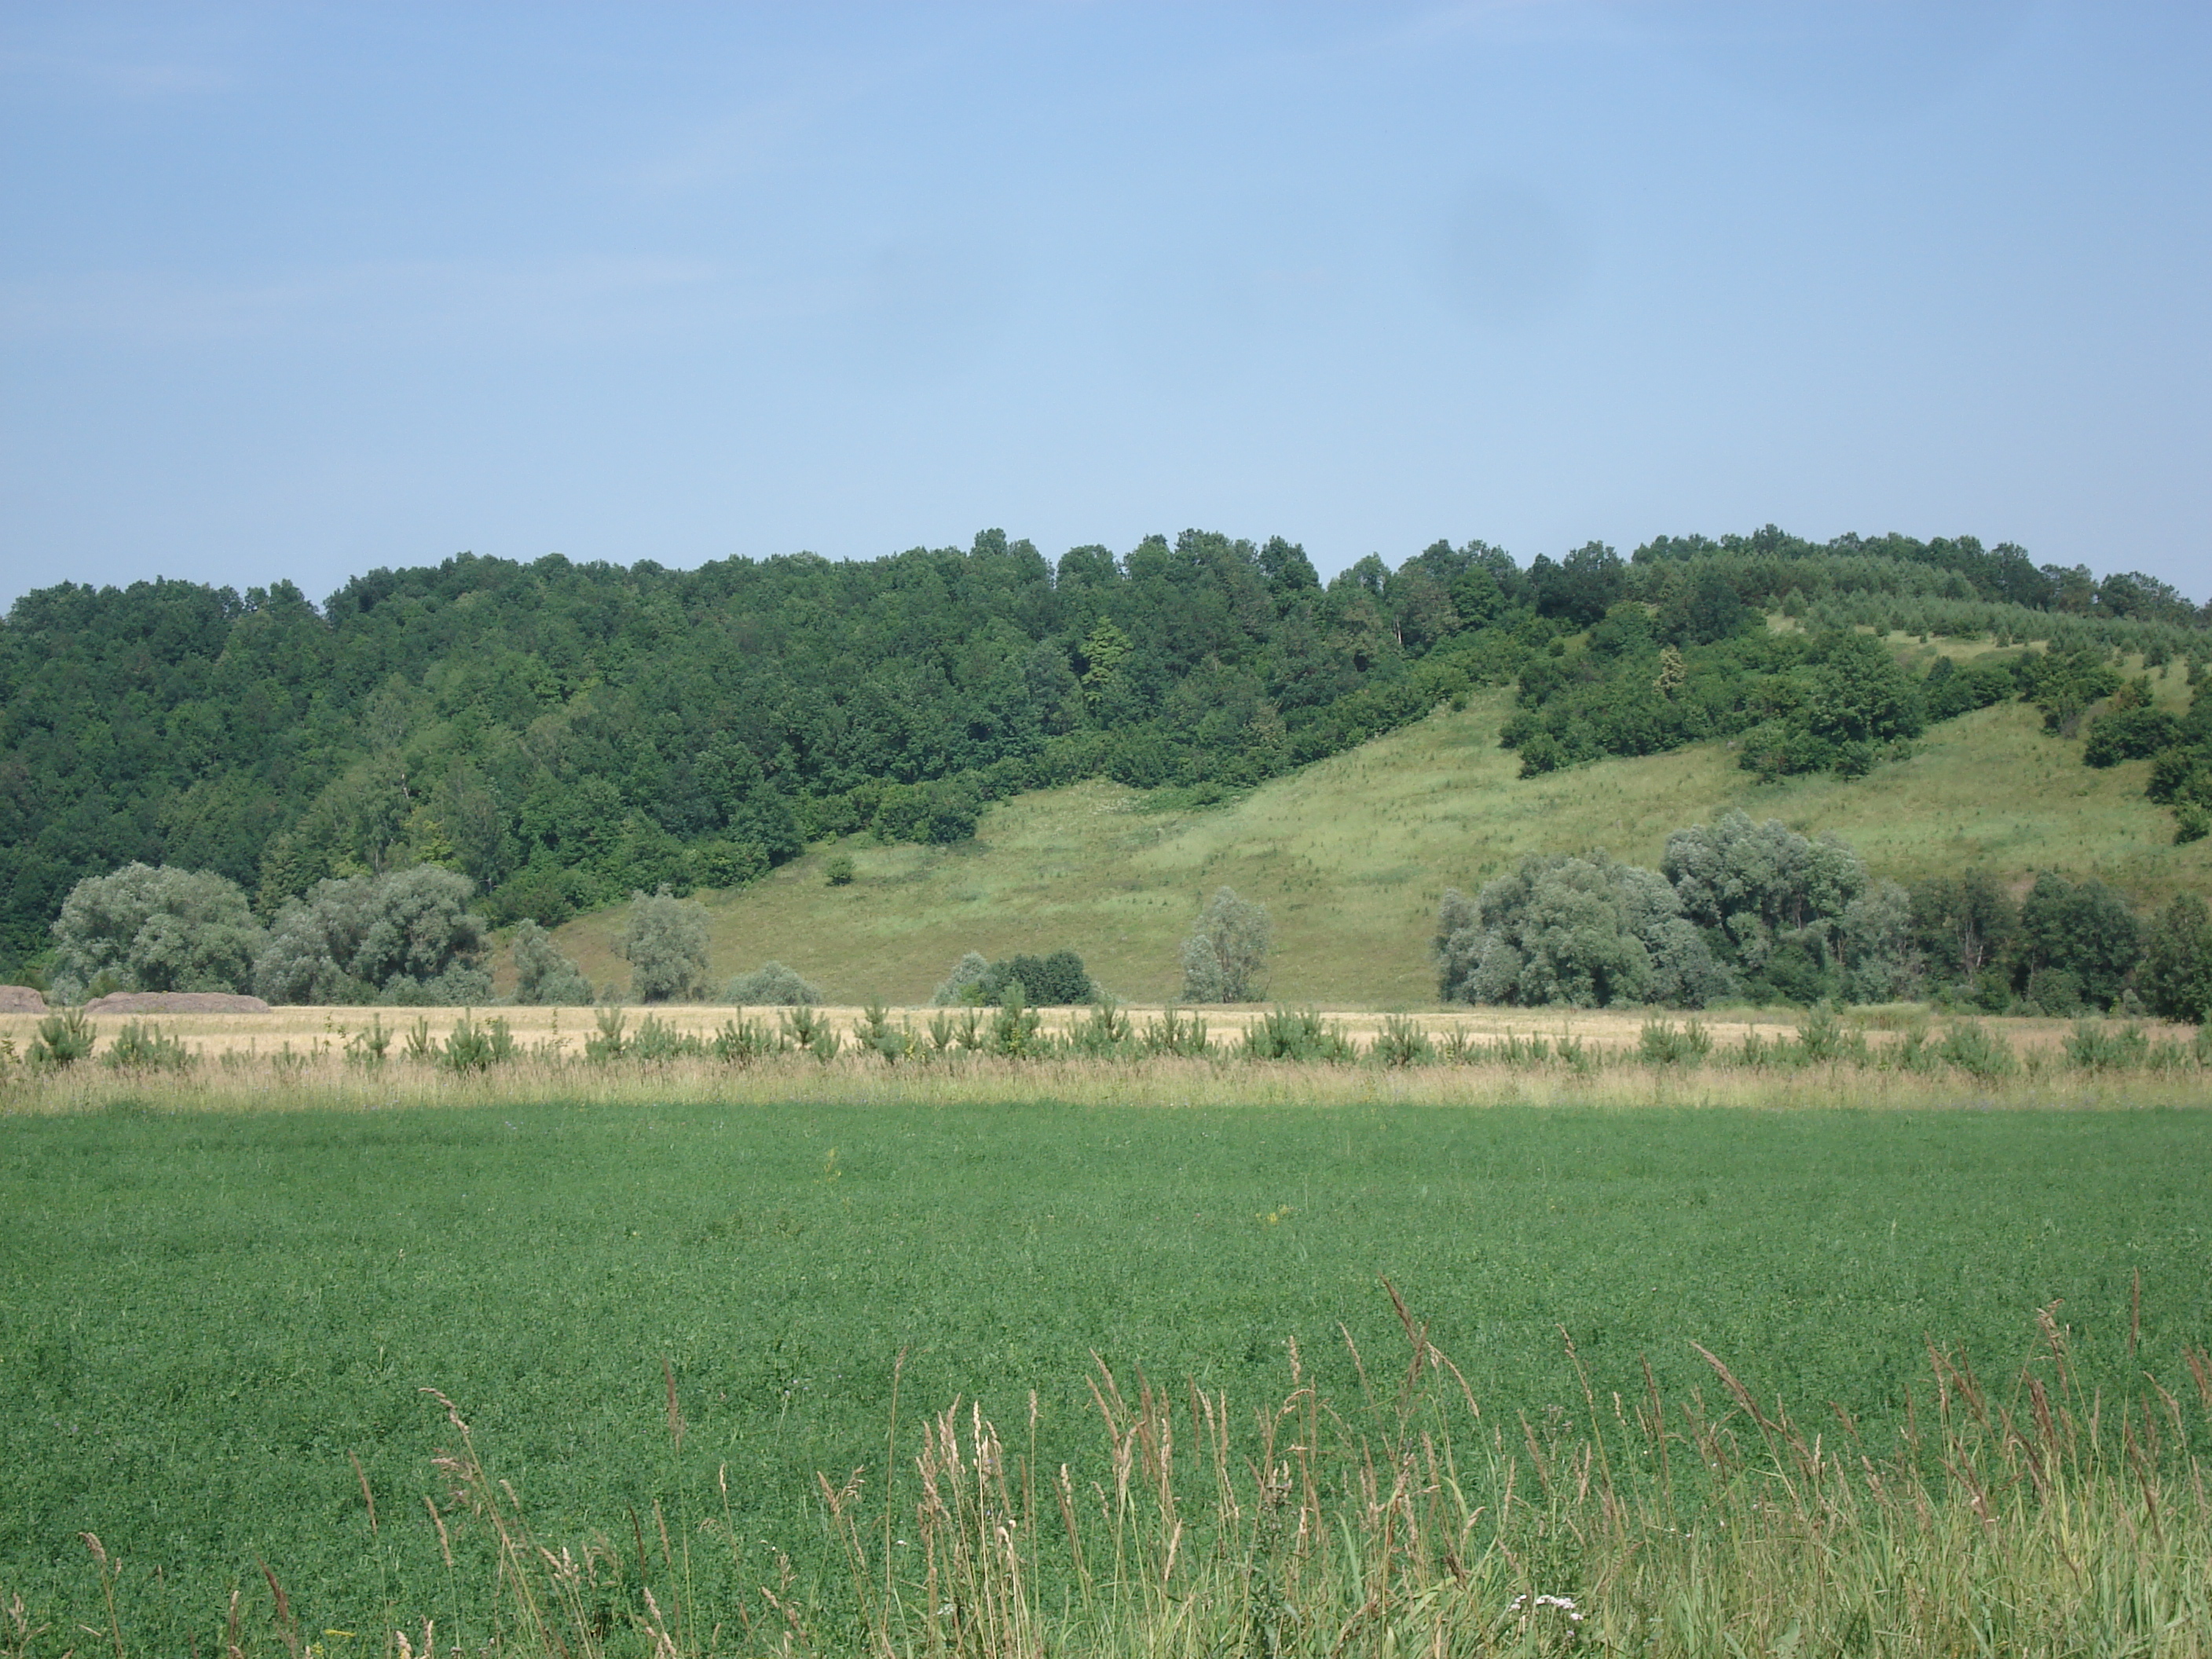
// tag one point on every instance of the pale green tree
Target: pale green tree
(1225, 960)
(543, 975)
(151, 927)
(772, 985)
(664, 942)
(1588, 932)
(405, 937)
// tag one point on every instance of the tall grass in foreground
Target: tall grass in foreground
(2029, 1519)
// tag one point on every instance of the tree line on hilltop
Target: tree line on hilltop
(554, 736)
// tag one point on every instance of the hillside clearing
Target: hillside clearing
(1350, 855)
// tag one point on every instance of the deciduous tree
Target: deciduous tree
(1225, 960)
(666, 942)
(154, 928)
(542, 973)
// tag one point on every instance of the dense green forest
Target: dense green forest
(561, 734)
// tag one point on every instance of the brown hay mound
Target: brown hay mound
(21, 1000)
(175, 1002)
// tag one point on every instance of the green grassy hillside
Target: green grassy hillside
(1351, 855)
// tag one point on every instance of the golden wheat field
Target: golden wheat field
(322, 1032)
(378, 1058)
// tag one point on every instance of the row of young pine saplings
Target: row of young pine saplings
(1106, 1031)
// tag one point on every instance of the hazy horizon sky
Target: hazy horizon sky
(294, 291)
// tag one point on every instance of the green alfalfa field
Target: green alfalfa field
(1351, 855)
(661, 1323)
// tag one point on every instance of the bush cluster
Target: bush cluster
(542, 977)
(1057, 981)
(1736, 910)
(772, 985)
(2181, 767)
(1648, 682)
(405, 937)
(2066, 948)
(408, 936)
(1758, 913)
(154, 928)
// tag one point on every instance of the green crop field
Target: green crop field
(204, 1319)
(1352, 853)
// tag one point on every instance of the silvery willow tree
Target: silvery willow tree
(1768, 897)
(154, 928)
(1226, 959)
(1737, 909)
(965, 983)
(1793, 917)
(665, 945)
(1588, 932)
(542, 975)
(405, 937)
(772, 985)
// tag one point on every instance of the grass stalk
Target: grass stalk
(2031, 1522)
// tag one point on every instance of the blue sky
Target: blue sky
(294, 291)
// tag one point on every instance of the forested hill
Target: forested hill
(565, 732)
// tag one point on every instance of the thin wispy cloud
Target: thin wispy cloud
(416, 299)
(764, 134)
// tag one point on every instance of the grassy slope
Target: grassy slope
(1350, 855)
